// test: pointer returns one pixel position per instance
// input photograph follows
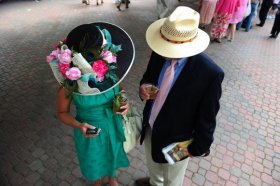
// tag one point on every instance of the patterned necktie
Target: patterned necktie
(163, 91)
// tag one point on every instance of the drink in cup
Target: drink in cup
(152, 90)
(119, 101)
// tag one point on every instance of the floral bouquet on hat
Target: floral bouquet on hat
(92, 74)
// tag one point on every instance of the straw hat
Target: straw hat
(178, 35)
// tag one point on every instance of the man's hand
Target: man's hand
(185, 150)
(143, 93)
(148, 91)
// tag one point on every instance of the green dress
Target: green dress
(102, 155)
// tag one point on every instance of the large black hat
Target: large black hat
(85, 41)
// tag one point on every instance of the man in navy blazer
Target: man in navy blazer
(192, 103)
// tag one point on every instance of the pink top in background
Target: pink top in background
(227, 6)
(211, 0)
(240, 13)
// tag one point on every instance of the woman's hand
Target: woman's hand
(124, 108)
(83, 128)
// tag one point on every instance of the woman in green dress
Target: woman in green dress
(89, 75)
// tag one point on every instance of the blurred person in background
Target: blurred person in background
(247, 22)
(276, 25)
(126, 2)
(222, 16)
(236, 18)
(265, 6)
(273, 9)
(207, 10)
(165, 7)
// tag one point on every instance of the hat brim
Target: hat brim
(125, 57)
(172, 50)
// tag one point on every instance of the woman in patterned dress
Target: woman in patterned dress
(222, 16)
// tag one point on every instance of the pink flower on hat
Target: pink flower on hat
(73, 73)
(63, 67)
(100, 68)
(109, 56)
(65, 56)
(52, 56)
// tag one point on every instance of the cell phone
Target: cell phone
(93, 131)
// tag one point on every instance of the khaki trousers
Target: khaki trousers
(164, 174)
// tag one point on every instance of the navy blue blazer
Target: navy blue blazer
(190, 108)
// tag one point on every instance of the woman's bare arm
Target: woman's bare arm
(63, 111)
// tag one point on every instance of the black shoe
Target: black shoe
(202, 27)
(273, 36)
(119, 7)
(260, 25)
(217, 40)
(123, 1)
(143, 182)
(126, 5)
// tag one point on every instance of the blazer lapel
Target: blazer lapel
(186, 76)
(158, 67)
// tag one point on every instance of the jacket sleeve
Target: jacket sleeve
(206, 118)
(147, 77)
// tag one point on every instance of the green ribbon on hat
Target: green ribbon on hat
(113, 48)
(87, 77)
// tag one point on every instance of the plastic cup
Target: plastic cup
(152, 90)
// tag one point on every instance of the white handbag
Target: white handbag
(132, 126)
(248, 9)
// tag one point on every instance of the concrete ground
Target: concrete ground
(36, 149)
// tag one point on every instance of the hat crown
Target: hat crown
(181, 25)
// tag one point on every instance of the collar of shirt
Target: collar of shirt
(178, 68)
(181, 62)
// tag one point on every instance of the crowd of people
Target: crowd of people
(185, 77)
(227, 16)
(117, 2)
